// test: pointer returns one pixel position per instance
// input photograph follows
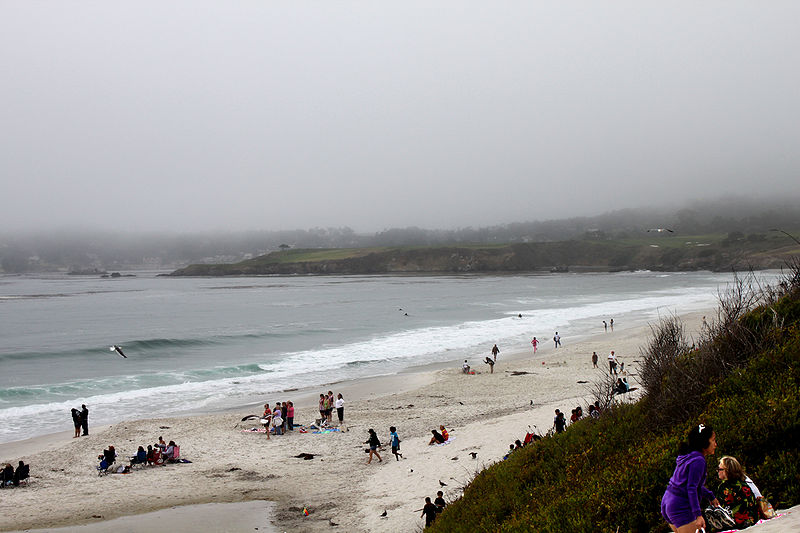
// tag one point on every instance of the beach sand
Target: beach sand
(484, 413)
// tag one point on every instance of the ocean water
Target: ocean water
(207, 343)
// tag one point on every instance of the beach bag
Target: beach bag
(765, 509)
(719, 518)
(277, 421)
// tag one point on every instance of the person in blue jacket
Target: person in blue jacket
(680, 505)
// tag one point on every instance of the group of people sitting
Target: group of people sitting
(12, 477)
(156, 454)
(621, 387)
(560, 420)
(439, 437)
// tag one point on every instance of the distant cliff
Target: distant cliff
(714, 253)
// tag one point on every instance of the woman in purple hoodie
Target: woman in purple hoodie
(680, 505)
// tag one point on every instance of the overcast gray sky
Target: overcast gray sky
(200, 115)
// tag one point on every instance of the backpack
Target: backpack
(719, 518)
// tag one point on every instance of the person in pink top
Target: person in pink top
(535, 343)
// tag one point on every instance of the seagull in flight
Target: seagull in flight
(117, 349)
(660, 230)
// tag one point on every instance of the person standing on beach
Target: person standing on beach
(605, 325)
(495, 351)
(594, 359)
(76, 421)
(611, 323)
(322, 416)
(339, 404)
(429, 512)
(439, 502)
(612, 363)
(535, 343)
(85, 419)
(557, 340)
(290, 416)
(329, 407)
(266, 418)
(559, 422)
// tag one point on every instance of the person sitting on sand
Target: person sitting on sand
(21, 473)
(735, 492)
(140, 458)
(8, 474)
(465, 367)
(169, 451)
(437, 438)
(374, 444)
(445, 434)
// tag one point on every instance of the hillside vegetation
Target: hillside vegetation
(609, 474)
(657, 252)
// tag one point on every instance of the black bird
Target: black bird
(442, 483)
(531, 402)
(117, 349)
(474, 455)
(383, 514)
(454, 458)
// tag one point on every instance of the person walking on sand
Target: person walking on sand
(374, 444)
(594, 359)
(76, 421)
(85, 419)
(495, 351)
(557, 340)
(394, 439)
(535, 343)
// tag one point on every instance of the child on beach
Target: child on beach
(266, 418)
(535, 343)
(395, 440)
(374, 444)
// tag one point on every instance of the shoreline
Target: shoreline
(484, 413)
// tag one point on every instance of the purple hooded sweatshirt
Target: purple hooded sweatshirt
(687, 486)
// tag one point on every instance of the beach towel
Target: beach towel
(254, 430)
(448, 441)
(759, 522)
(328, 430)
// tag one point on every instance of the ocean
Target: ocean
(205, 344)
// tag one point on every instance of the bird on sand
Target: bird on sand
(474, 455)
(442, 483)
(117, 349)
(383, 514)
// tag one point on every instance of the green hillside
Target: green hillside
(608, 474)
(666, 253)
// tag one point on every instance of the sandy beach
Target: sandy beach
(484, 413)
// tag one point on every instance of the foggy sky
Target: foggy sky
(204, 115)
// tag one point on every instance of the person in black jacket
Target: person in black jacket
(85, 419)
(374, 444)
(22, 472)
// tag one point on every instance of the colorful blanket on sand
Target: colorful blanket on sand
(254, 430)
(328, 430)
(759, 522)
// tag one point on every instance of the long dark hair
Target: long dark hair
(697, 440)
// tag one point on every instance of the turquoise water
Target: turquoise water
(202, 343)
